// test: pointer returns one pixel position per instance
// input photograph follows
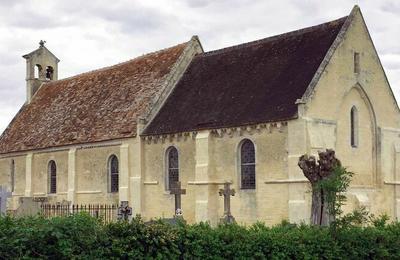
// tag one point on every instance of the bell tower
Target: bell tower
(41, 67)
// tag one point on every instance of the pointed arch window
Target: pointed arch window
(354, 127)
(52, 169)
(113, 173)
(12, 175)
(247, 165)
(172, 166)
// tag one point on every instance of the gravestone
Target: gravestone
(227, 192)
(28, 206)
(177, 191)
(124, 211)
(4, 195)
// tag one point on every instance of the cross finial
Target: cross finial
(41, 43)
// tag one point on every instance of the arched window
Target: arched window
(52, 168)
(247, 165)
(172, 166)
(12, 175)
(38, 71)
(354, 127)
(49, 72)
(113, 173)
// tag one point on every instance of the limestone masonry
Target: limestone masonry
(242, 114)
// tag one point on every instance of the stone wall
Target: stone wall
(268, 202)
(327, 113)
(158, 202)
(81, 173)
(210, 158)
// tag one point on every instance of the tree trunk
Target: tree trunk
(316, 207)
(320, 214)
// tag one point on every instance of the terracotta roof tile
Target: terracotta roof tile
(251, 83)
(91, 107)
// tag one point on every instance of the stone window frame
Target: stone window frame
(354, 127)
(169, 169)
(52, 177)
(356, 62)
(113, 174)
(240, 165)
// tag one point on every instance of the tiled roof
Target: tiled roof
(91, 107)
(251, 83)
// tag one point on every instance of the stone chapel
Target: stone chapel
(242, 114)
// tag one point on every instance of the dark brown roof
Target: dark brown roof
(94, 106)
(246, 84)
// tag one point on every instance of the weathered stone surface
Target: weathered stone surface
(4, 195)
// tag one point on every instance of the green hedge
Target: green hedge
(83, 237)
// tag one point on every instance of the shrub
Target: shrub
(60, 237)
(83, 237)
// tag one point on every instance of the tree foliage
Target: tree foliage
(83, 237)
(335, 186)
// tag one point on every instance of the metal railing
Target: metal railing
(105, 212)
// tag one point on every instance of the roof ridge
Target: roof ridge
(271, 38)
(114, 65)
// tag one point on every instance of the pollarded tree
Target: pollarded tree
(328, 181)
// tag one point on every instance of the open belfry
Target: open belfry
(180, 131)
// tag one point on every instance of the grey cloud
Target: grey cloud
(391, 7)
(198, 3)
(140, 21)
(393, 65)
(206, 3)
(129, 15)
(27, 15)
(394, 50)
(35, 21)
(7, 58)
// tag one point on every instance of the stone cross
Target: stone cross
(227, 192)
(124, 211)
(4, 194)
(177, 191)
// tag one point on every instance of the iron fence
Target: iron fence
(105, 212)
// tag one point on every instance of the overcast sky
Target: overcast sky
(86, 35)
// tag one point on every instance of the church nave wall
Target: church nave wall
(206, 161)
(158, 202)
(267, 202)
(19, 176)
(92, 175)
(41, 175)
(5, 166)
